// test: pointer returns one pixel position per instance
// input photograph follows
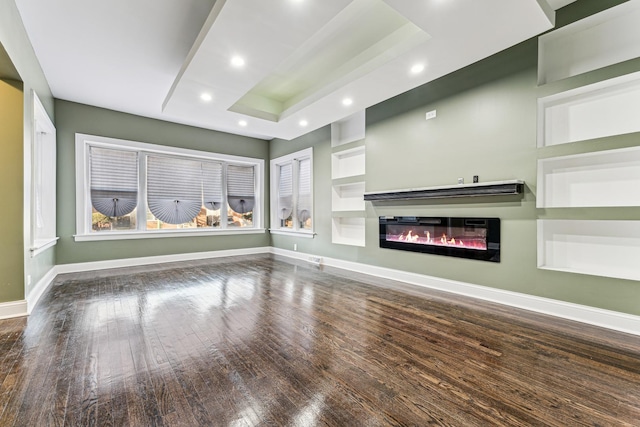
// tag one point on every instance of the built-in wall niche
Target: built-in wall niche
(597, 179)
(603, 39)
(348, 231)
(348, 197)
(600, 248)
(349, 129)
(348, 180)
(348, 163)
(599, 110)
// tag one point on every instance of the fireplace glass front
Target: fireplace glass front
(474, 238)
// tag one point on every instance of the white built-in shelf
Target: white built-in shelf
(349, 129)
(597, 179)
(602, 109)
(348, 180)
(348, 197)
(606, 38)
(600, 248)
(348, 163)
(348, 231)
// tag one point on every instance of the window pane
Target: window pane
(285, 195)
(174, 189)
(212, 185)
(114, 189)
(240, 195)
(305, 196)
(101, 222)
(206, 218)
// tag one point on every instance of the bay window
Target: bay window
(128, 189)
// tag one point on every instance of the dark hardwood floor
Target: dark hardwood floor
(261, 341)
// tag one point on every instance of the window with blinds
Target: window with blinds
(292, 192)
(137, 187)
(240, 195)
(285, 195)
(113, 189)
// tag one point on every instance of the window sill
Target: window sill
(163, 234)
(305, 234)
(42, 245)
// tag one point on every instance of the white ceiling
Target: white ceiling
(155, 58)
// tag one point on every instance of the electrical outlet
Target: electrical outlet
(460, 180)
(315, 260)
(430, 115)
(295, 246)
(29, 280)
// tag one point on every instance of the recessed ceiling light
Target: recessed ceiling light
(347, 101)
(237, 61)
(206, 97)
(303, 123)
(417, 68)
(242, 123)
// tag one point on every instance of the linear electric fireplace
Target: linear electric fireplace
(474, 238)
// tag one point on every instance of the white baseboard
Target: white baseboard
(622, 322)
(591, 315)
(13, 309)
(39, 289)
(24, 307)
(160, 259)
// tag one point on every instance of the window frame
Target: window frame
(275, 164)
(83, 143)
(43, 179)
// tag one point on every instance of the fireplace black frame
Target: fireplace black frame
(492, 225)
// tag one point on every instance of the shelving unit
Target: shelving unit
(348, 231)
(598, 179)
(598, 110)
(588, 120)
(347, 163)
(348, 180)
(603, 39)
(601, 248)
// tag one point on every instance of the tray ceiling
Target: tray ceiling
(266, 69)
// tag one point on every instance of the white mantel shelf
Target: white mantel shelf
(495, 188)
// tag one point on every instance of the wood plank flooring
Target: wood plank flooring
(258, 340)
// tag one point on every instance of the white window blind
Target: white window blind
(114, 181)
(292, 193)
(240, 188)
(304, 190)
(174, 188)
(212, 185)
(285, 192)
(146, 191)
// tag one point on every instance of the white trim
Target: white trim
(166, 233)
(40, 288)
(294, 159)
(293, 233)
(160, 259)
(13, 309)
(609, 319)
(40, 246)
(83, 202)
(25, 307)
(41, 240)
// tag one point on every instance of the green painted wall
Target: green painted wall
(17, 56)
(486, 126)
(72, 118)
